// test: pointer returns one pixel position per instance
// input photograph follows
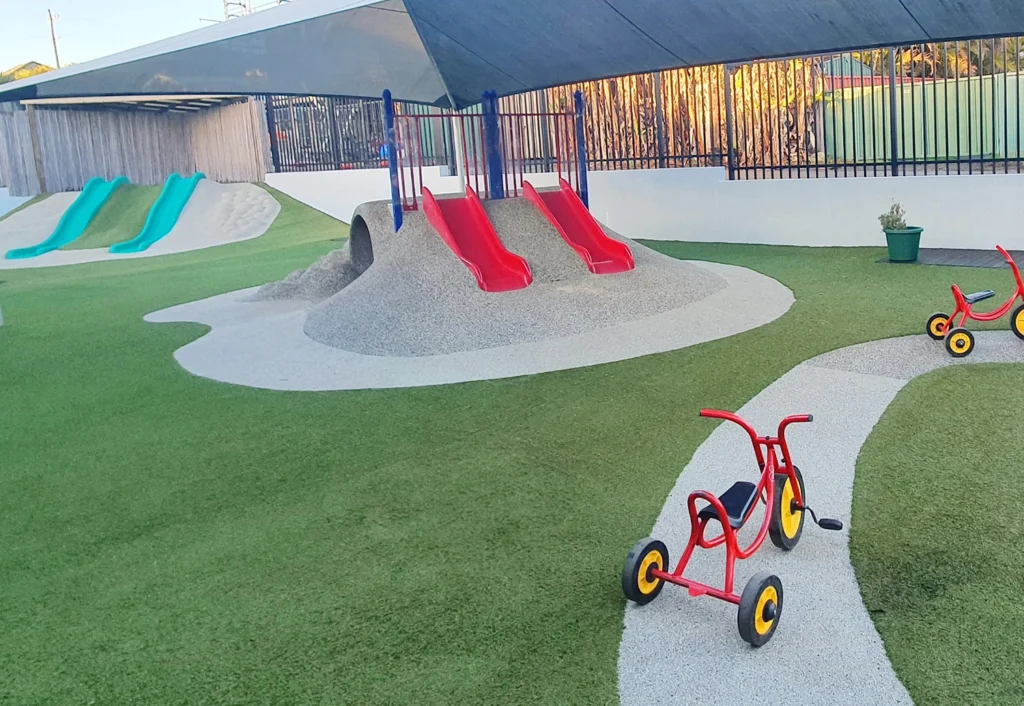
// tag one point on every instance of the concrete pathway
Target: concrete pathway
(680, 650)
(262, 344)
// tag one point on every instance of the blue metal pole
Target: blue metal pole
(396, 194)
(492, 146)
(581, 146)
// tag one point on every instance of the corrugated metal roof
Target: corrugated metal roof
(429, 51)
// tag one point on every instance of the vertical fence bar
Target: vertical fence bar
(418, 121)
(864, 119)
(842, 119)
(775, 118)
(275, 147)
(956, 77)
(913, 113)
(389, 122)
(935, 109)
(1016, 64)
(893, 158)
(970, 116)
(1006, 112)
(659, 113)
(995, 127)
(729, 127)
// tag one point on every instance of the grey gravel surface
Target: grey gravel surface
(681, 650)
(324, 278)
(418, 299)
(262, 344)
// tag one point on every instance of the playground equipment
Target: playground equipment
(958, 340)
(463, 225)
(163, 215)
(496, 150)
(76, 219)
(781, 489)
(580, 231)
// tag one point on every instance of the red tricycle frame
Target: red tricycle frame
(964, 308)
(769, 463)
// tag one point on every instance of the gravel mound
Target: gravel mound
(418, 299)
(325, 277)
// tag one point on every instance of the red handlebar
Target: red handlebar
(754, 439)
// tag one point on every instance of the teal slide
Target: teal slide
(75, 220)
(164, 214)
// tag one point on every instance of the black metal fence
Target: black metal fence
(948, 107)
(314, 133)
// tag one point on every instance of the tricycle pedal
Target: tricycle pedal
(826, 523)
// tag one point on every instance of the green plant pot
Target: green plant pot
(903, 244)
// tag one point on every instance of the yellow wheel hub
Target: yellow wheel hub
(790, 519)
(960, 342)
(939, 326)
(651, 560)
(761, 625)
(1018, 322)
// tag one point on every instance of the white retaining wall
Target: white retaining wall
(8, 203)
(976, 211)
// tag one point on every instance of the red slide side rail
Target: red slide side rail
(572, 220)
(463, 225)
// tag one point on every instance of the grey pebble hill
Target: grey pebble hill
(418, 299)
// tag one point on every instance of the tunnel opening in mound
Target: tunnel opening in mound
(360, 245)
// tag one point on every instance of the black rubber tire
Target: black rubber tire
(957, 335)
(931, 320)
(631, 571)
(1017, 322)
(775, 527)
(746, 618)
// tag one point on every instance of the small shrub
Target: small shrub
(894, 218)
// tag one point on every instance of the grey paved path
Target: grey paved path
(262, 344)
(680, 650)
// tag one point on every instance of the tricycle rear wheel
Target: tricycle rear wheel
(936, 326)
(787, 525)
(760, 608)
(639, 585)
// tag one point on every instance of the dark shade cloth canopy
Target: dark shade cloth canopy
(448, 52)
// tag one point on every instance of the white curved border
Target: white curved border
(681, 650)
(261, 344)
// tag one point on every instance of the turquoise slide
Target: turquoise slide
(75, 220)
(164, 214)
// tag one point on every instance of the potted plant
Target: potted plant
(903, 240)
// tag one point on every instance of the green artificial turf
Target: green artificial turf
(937, 536)
(172, 540)
(121, 218)
(31, 202)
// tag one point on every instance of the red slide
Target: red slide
(572, 220)
(464, 227)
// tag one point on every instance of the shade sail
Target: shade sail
(448, 52)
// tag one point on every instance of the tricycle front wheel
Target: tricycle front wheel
(760, 608)
(959, 343)
(1017, 322)
(638, 583)
(787, 524)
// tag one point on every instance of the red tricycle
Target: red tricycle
(960, 341)
(781, 489)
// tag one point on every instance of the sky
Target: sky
(89, 29)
